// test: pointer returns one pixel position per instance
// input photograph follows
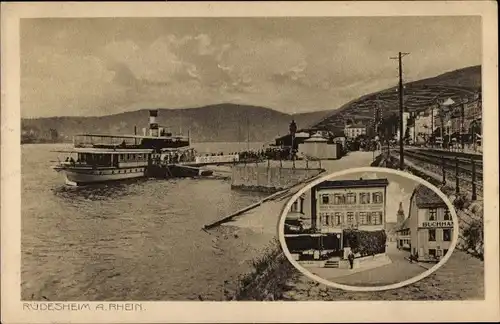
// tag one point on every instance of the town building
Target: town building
(290, 140)
(316, 224)
(319, 148)
(430, 225)
(407, 128)
(354, 130)
(403, 238)
(425, 126)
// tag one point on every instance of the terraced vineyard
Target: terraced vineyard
(419, 95)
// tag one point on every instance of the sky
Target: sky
(101, 66)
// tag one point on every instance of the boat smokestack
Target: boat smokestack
(153, 124)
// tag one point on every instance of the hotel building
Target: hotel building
(430, 225)
(316, 224)
(354, 130)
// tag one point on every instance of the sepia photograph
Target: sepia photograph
(241, 155)
(129, 173)
(369, 229)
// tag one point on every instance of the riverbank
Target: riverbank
(253, 234)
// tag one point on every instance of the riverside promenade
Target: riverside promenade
(264, 219)
(246, 236)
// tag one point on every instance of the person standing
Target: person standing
(350, 257)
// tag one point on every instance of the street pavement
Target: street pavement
(461, 278)
(397, 271)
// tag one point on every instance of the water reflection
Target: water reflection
(98, 191)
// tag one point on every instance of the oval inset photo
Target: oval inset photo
(368, 229)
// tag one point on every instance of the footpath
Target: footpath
(461, 278)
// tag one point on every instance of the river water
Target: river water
(134, 240)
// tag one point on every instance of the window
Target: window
(447, 215)
(325, 219)
(338, 199)
(447, 234)
(432, 235)
(325, 199)
(362, 218)
(376, 218)
(432, 252)
(338, 218)
(350, 199)
(377, 198)
(350, 218)
(364, 198)
(432, 214)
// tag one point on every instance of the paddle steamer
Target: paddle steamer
(100, 158)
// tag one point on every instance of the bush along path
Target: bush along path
(269, 277)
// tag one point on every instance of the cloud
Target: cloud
(292, 65)
(70, 83)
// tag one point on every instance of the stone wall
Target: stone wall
(269, 178)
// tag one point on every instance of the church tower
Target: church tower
(401, 214)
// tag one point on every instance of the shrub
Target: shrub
(268, 278)
(473, 235)
(461, 202)
(365, 242)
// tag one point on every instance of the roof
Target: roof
(425, 197)
(361, 183)
(295, 216)
(103, 151)
(302, 134)
(404, 225)
(356, 126)
(316, 139)
(448, 102)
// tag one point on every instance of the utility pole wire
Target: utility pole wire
(401, 108)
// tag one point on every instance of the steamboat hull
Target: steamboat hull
(76, 177)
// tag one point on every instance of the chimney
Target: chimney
(153, 125)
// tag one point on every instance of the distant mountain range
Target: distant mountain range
(215, 123)
(238, 123)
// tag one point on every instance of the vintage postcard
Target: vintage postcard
(249, 162)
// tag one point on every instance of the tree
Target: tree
(54, 135)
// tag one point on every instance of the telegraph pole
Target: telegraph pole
(401, 110)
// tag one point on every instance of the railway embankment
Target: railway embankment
(456, 180)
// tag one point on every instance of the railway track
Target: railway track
(448, 160)
(464, 172)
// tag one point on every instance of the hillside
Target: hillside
(418, 96)
(230, 122)
(214, 123)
